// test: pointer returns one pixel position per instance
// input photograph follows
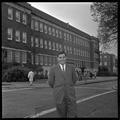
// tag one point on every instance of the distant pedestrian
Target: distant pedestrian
(31, 77)
(95, 74)
(62, 78)
(91, 75)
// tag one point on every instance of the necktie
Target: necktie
(63, 67)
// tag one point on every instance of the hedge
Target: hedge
(14, 74)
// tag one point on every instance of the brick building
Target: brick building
(33, 38)
(108, 60)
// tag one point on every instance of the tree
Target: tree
(105, 14)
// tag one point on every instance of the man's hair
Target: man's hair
(61, 52)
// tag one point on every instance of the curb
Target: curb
(90, 82)
(47, 86)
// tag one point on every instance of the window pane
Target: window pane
(24, 57)
(17, 56)
(10, 13)
(32, 24)
(32, 58)
(17, 16)
(45, 59)
(64, 36)
(45, 43)
(10, 31)
(45, 29)
(41, 27)
(41, 59)
(32, 41)
(56, 33)
(50, 32)
(41, 43)
(53, 31)
(50, 45)
(24, 19)
(9, 55)
(50, 60)
(36, 59)
(24, 37)
(17, 36)
(53, 45)
(56, 46)
(36, 26)
(36, 42)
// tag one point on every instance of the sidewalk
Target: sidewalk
(7, 85)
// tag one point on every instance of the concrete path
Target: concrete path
(45, 84)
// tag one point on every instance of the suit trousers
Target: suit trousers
(67, 109)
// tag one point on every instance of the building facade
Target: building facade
(108, 60)
(33, 38)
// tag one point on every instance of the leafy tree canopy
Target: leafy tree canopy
(105, 14)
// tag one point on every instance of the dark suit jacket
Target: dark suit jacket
(62, 82)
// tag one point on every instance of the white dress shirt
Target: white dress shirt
(63, 67)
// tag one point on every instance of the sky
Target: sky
(77, 14)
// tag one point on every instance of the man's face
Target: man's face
(61, 59)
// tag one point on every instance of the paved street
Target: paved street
(98, 99)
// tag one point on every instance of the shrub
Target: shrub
(16, 73)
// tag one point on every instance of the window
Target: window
(32, 24)
(41, 43)
(49, 29)
(24, 20)
(17, 16)
(10, 33)
(79, 52)
(9, 55)
(50, 45)
(32, 59)
(105, 56)
(74, 39)
(45, 43)
(45, 59)
(50, 60)
(53, 45)
(24, 37)
(10, 13)
(64, 36)
(70, 50)
(53, 60)
(17, 56)
(60, 47)
(105, 63)
(41, 27)
(60, 34)
(36, 42)
(32, 41)
(65, 49)
(74, 51)
(24, 57)
(36, 26)
(57, 33)
(45, 29)
(17, 36)
(68, 36)
(36, 59)
(53, 31)
(56, 46)
(41, 59)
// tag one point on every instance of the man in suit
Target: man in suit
(62, 78)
